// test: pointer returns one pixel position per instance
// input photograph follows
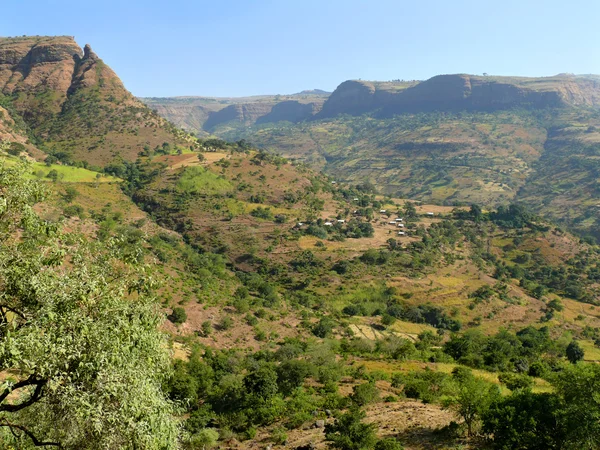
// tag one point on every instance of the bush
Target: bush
(388, 444)
(365, 393)
(206, 328)
(514, 381)
(262, 213)
(226, 323)
(73, 210)
(324, 327)
(179, 315)
(205, 439)
(350, 433)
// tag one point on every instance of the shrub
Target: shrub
(350, 433)
(365, 393)
(388, 444)
(205, 439)
(324, 327)
(514, 381)
(262, 213)
(206, 327)
(226, 323)
(179, 315)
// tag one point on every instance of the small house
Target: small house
(382, 211)
(341, 221)
(430, 214)
(401, 233)
(328, 224)
(400, 225)
(392, 222)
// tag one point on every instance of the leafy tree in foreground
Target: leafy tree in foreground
(78, 336)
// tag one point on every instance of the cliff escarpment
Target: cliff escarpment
(461, 92)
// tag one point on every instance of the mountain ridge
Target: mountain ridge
(74, 103)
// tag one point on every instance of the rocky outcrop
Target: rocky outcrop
(31, 67)
(462, 92)
(351, 97)
(245, 113)
(69, 98)
(290, 111)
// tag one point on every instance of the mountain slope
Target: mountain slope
(74, 105)
(456, 139)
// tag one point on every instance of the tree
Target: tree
(86, 357)
(574, 352)
(410, 212)
(472, 399)
(525, 420)
(348, 432)
(578, 386)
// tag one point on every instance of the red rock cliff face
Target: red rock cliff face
(463, 92)
(37, 64)
(69, 98)
(30, 67)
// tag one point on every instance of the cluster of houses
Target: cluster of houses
(397, 222)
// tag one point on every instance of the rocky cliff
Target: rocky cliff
(69, 98)
(201, 114)
(462, 92)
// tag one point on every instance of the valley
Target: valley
(399, 262)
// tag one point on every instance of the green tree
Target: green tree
(348, 432)
(574, 352)
(578, 386)
(471, 400)
(410, 212)
(86, 358)
(526, 421)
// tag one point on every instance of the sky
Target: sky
(247, 47)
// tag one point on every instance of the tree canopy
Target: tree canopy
(81, 356)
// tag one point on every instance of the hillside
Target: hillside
(300, 307)
(456, 140)
(69, 103)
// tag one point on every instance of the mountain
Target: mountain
(298, 304)
(74, 105)
(454, 139)
(203, 114)
(462, 92)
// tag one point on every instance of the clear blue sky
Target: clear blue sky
(246, 47)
